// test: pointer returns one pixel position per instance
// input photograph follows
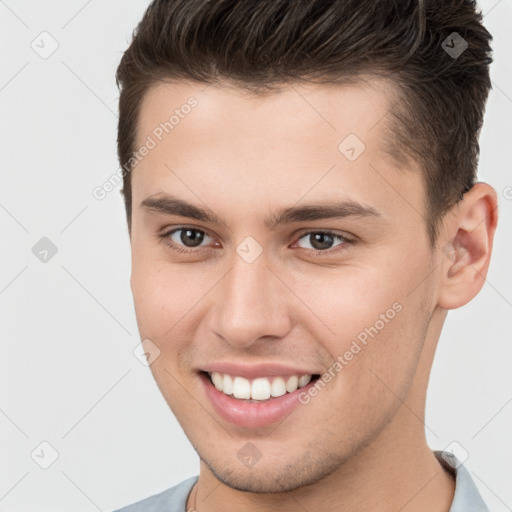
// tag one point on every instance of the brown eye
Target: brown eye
(185, 239)
(191, 237)
(323, 241)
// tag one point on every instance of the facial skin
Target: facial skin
(245, 158)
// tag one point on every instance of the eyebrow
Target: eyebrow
(170, 205)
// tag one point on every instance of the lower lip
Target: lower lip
(252, 414)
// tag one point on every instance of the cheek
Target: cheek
(163, 304)
(372, 326)
(169, 303)
(348, 301)
(162, 293)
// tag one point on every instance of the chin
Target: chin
(275, 476)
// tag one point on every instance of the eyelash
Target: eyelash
(165, 238)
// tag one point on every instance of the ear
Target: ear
(466, 246)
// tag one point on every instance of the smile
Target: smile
(259, 389)
(265, 395)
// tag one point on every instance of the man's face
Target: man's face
(252, 299)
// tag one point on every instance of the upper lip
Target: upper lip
(252, 371)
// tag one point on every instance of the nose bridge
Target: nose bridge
(250, 305)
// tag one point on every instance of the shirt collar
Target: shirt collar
(466, 498)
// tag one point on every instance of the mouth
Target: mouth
(258, 400)
(260, 389)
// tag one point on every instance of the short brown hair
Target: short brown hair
(259, 44)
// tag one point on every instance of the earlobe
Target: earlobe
(466, 253)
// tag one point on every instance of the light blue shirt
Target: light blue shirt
(466, 498)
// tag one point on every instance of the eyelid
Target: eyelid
(345, 236)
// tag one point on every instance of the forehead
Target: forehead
(315, 139)
(360, 108)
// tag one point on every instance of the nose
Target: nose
(250, 305)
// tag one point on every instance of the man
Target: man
(301, 195)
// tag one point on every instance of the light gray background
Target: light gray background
(68, 373)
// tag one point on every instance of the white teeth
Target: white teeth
(278, 387)
(217, 380)
(292, 383)
(304, 380)
(227, 385)
(261, 388)
(241, 388)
